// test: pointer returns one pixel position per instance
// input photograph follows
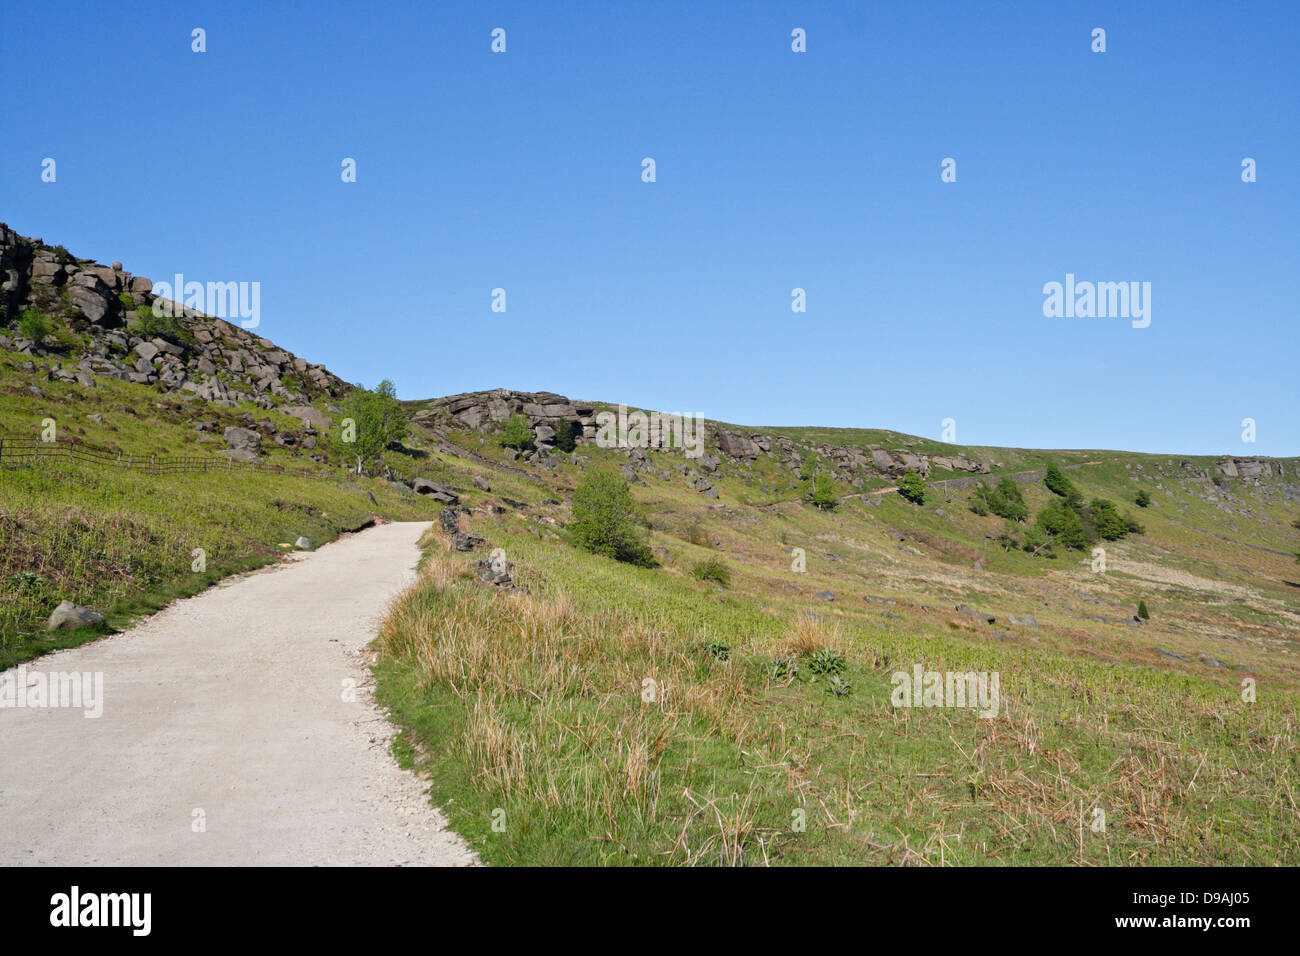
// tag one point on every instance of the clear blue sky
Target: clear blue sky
(775, 170)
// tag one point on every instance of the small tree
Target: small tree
(1107, 520)
(377, 419)
(1063, 525)
(517, 434)
(1056, 482)
(1008, 538)
(606, 520)
(33, 325)
(1143, 499)
(1142, 610)
(823, 491)
(1036, 542)
(912, 487)
(564, 440)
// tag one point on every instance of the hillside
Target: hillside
(526, 693)
(521, 687)
(123, 388)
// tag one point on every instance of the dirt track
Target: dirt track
(229, 708)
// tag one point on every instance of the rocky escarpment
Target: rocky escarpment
(103, 325)
(486, 412)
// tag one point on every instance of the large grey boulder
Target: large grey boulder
(736, 446)
(423, 486)
(307, 413)
(68, 616)
(46, 270)
(238, 454)
(242, 438)
(94, 306)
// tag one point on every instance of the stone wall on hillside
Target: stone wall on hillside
(205, 357)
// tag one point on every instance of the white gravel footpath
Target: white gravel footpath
(229, 708)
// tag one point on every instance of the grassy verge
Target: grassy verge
(126, 543)
(546, 744)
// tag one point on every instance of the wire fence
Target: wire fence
(22, 451)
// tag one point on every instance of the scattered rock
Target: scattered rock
(423, 486)
(449, 519)
(496, 573)
(464, 541)
(68, 616)
(971, 612)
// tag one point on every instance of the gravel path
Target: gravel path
(228, 734)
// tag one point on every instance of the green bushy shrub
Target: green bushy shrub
(912, 487)
(606, 520)
(712, 570)
(33, 325)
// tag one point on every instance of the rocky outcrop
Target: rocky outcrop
(1249, 468)
(197, 355)
(487, 412)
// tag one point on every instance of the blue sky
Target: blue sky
(775, 170)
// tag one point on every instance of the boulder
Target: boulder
(423, 486)
(497, 574)
(68, 616)
(736, 446)
(95, 307)
(242, 438)
(464, 541)
(449, 519)
(971, 612)
(238, 454)
(307, 413)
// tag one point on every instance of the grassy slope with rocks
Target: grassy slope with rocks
(531, 702)
(121, 541)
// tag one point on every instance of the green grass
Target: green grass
(533, 705)
(122, 541)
